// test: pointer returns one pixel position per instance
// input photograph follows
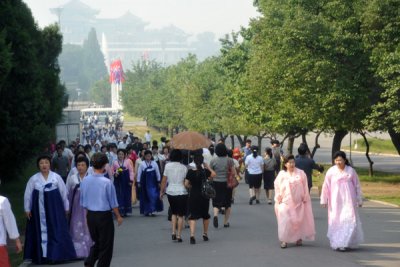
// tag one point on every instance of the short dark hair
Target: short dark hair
(175, 155)
(99, 160)
(248, 141)
(43, 156)
(121, 150)
(341, 154)
(286, 160)
(303, 148)
(230, 153)
(146, 152)
(82, 159)
(221, 150)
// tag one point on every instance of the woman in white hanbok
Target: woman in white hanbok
(341, 194)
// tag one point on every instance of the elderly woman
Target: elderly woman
(341, 194)
(148, 179)
(293, 205)
(77, 221)
(47, 238)
(174, 175)
(223, 197)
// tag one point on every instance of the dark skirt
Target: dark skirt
(123, 190)
(223, 198)
(59, 243)
(178, 204)
(150, 193)
(269, 179)
(255, 180)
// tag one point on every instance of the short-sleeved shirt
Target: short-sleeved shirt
(269, 164)
(98, 193)
(176, 174)
(254, 165)
(220, 166)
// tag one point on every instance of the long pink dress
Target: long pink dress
(294, 213)
(342, 192)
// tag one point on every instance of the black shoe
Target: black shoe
(215, 222)
(226, 225)
(205, 237)
(192, 240)
(179, 239)
(173, 236)
(257, 201)
(251, 200)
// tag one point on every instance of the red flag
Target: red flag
(116, 72)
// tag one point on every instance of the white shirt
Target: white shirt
(147, 137)
(38, 182)
(7, 222)
(176, 174)
(254, 165)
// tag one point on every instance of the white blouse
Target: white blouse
(38, 182)
(176, 174)
(7, 222)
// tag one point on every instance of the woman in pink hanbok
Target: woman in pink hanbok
(293, 205)
(341, 194)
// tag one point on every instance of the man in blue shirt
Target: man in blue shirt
(98, 197)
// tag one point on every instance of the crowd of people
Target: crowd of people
(71, 202)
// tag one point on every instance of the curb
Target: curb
(372, 153)
(384, 203)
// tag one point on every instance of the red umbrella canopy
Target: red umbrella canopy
(189, 140)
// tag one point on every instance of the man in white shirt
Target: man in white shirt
(7, 225)
(147, 137)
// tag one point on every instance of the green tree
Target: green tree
(31, 96)
(100, 92)
(310, 65)
(94, 68)
(381, 31)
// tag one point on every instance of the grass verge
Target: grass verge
(382, 186)
(376, 145)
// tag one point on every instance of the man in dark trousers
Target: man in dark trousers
(304, 162)
(98, 197)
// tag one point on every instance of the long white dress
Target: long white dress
(342, 192)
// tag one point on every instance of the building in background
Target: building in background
(127, 37)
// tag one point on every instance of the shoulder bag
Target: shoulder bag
(231, 180)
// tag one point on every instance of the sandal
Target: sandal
(283, 245)
(173, 236)
(205, 237)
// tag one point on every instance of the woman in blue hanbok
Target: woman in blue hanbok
(149, 181)
(123, 179)
(47, 239)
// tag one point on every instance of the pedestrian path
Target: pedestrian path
(251, 240)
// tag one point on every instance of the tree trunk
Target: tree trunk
(222, 136)
(316, 145)
(232, 141)
(290, 144)
(395, 139)
(303, 138)
(242, 141)
(172, 132)
(337, 141)
(371, 163)
(166, 131)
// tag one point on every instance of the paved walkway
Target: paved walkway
(252, 241)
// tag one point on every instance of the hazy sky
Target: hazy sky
(193, 16)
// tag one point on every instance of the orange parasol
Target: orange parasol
(189, 140)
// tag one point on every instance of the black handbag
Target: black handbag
(207, 188)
